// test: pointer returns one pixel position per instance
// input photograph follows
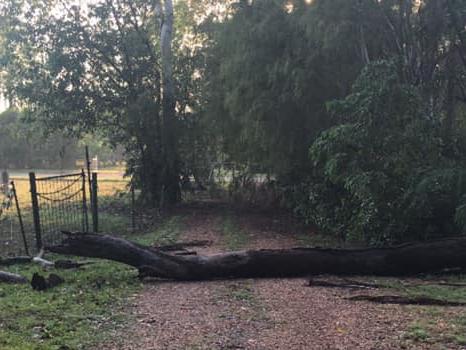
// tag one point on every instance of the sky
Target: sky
(3, 104)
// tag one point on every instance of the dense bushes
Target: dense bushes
(355, 108)
(385, 173)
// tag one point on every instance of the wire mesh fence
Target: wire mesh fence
(59, 204)
(50, 205)
(14, 239)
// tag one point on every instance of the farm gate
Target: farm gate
(59, 203)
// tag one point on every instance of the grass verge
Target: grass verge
(74, 315)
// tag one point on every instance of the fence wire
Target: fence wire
(11, 239)
(62, 206)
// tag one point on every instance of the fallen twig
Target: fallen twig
(349, 284)
(70, 264)
(401, 300)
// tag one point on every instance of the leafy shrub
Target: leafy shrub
(385, 173)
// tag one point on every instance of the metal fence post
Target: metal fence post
(85, 218)
(20, 217)
(35, 210)
(88, 166)
(94, 203)
(133, 209)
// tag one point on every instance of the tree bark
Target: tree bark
(406, 259)
(170, 191)
(9, 277)
(15, 260)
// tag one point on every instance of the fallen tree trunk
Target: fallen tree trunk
(15, 260)
(406, 259)
(9, 277)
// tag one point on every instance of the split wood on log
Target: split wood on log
(407, 259)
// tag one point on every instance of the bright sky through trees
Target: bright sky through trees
(3, 104)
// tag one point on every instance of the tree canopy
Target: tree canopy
(355, 109)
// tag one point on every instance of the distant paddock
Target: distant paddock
(110, 181)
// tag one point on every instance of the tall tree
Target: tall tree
(107, 68)
(171, 191)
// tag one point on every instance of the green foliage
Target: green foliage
(386, 162)
(24, 145)
(97, 69)
(376, 90)
(383, 175)
(268, 83)
(418, 333)
(460, 216)
(28, 144)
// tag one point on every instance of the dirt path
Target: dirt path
(257, 314)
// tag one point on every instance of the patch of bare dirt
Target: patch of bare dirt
(278, 232)
(319, 318)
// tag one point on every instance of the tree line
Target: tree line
(354, 109)
(25, 144)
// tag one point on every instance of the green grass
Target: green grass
(80, 312)
(167, 233)
(418, 332)
(317, 240)
(234, 237)
(114, 224)
(241, 292)
(436, 326)
(433, 324)
(73, 315)
(430, 289)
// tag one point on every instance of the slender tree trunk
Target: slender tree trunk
(449, 101)
(170, 188)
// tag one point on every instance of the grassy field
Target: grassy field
(109, 183)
